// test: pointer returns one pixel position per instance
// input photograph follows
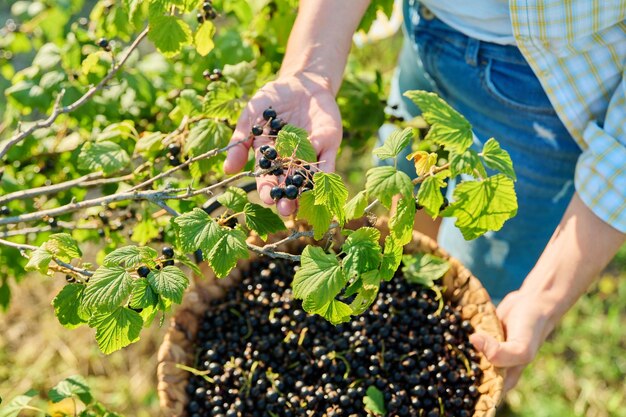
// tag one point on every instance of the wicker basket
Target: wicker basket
(178, 344)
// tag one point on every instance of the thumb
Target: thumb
(327, 160)
(503, 355)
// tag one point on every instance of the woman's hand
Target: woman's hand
(526, 326)
(305, 100)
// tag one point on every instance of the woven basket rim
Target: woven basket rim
(179, 341)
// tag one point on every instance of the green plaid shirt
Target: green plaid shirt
(577, 48)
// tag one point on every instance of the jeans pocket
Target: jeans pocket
(516, 87)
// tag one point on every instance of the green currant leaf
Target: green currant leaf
(293, 139)
(197, 230)
(39, 260)
(447, 126)
(14, 407)
(130, 7)
(319, 217)
(355, 208)
(466, 163)
(142, 295)
(363, 252)
(105, 156)
(150, 144)
(116, 329)
(374, 401)
(497, 158)
(189, 103)
(227, 251)
(223, 101)
(392, 256)
(244, 74)
(330, 191)
(170, 282)
(206, 136)
(63, 246)
(424, 268)
(401, 223)
(145, 231)
(67, 305)
(385, 182)
(106, 289)
(204, 38)
(234, 198)
(334, 311)
(169, 34)
(319, 279)
(131, 257)
(429, 194)
(262, 220)
(394, 144)
(73, 387)
(367, 293)
(480, 206)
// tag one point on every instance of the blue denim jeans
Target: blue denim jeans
(496, 90)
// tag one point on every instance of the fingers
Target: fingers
(512, 377)
(504, 355)
(238, 155)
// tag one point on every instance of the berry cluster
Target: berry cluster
(260, 354)
(173, 154)
(214, 75)
(207, 12)
(298, 178)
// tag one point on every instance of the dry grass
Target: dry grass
(37, 352)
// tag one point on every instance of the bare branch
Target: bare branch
(50, 189)
(59, 110)
(43, 229)
(20, 246)
(73, 268)
(282, 255)
(188, 162)
(152, 195)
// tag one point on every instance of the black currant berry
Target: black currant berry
(271, 153)
(264, 148)
(291, 192)
(207, 6)
(231, 223)
(174, 161)
(5, 211)
(103, 43)
(200, 17)
(53, 222)
(273, 132)
(297, 180)
(257, 131)
(277, 124)
(168, 252)
(210, 14)
(264, 163)
(269, 114)
(198, 256)
(173, 149)
(168, 262)
(277, 193)
(143, 271)
(418, 206)
(277, 171)
(206, 74)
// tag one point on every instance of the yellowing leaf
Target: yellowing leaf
(423, 161)
(204, 38)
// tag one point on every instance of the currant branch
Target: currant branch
(59, 110)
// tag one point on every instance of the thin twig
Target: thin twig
(59, 110)
(50, 189)
(434, 171)
(188, 162)
(43, 229)
(282, 255)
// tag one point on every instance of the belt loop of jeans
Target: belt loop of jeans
(471, 51)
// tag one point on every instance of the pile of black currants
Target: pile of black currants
(259, 354)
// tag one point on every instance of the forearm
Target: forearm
(321, 38)
(579, 250)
